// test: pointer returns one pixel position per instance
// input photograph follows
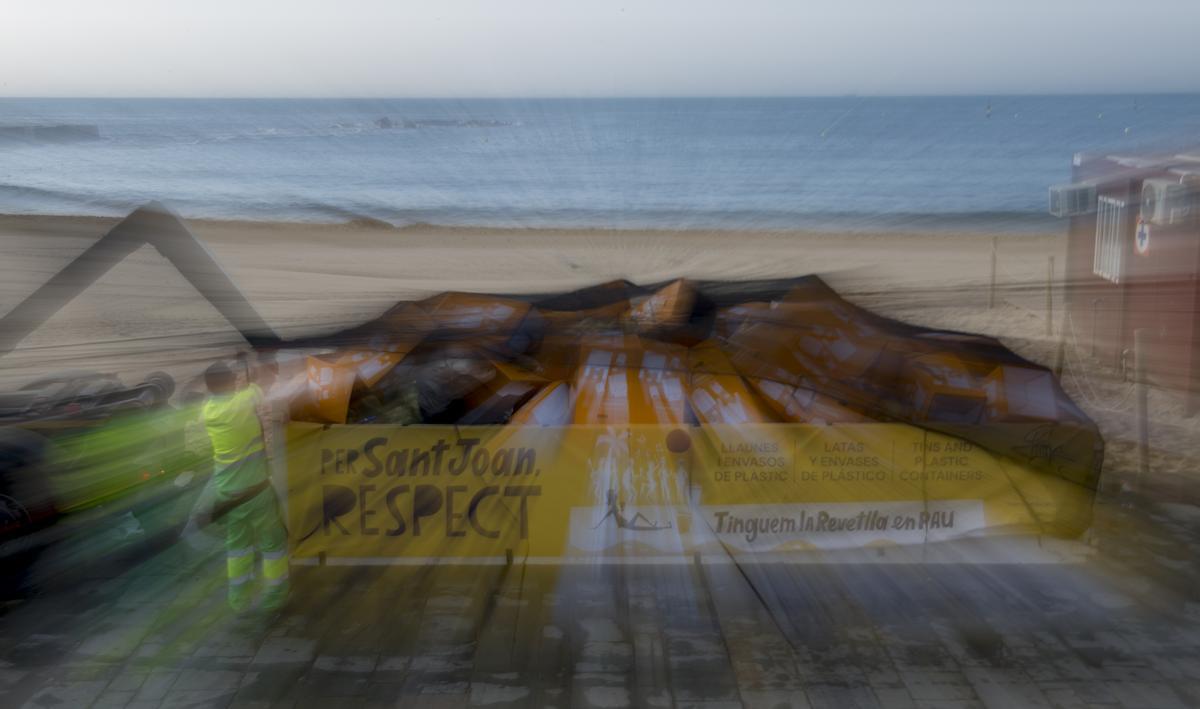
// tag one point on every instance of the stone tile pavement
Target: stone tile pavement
(1122, 630)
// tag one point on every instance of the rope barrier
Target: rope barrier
(1079, 375)
(1075, 366)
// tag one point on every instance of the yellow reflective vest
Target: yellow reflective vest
(233, 426)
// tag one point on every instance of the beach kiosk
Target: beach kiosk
(1133, 263)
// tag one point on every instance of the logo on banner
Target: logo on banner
(617, 513)
(1141, 239)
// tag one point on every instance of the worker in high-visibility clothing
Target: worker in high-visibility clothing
(244, 498)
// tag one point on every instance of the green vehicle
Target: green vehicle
(90, 464)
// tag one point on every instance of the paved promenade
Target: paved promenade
(1119, 630)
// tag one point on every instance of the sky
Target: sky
(483, 48)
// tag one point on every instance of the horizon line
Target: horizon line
(614, 97)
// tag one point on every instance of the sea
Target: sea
(844, 163)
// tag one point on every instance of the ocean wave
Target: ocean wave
(27, 199)
(57, 133)
(24, 199)
(337, 129)
(347, 207)
(318, 213)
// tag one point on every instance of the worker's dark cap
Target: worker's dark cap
(218, 376)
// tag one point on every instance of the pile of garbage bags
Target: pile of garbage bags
(691, 353)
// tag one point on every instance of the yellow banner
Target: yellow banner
(598, 492)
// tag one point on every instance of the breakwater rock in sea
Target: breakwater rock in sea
(386, 122)
(50, 133)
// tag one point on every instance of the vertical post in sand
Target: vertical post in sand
(1050, 298)
(992, 289)
(1143, 425)
(1060, 355)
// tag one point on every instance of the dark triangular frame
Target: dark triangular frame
(157, 226)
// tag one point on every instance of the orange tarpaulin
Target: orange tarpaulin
(716, 353)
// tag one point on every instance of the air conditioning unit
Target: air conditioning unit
(1070, 200)
(1165, 201)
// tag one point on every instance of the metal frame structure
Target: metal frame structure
(157, 226)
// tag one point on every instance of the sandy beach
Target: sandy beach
(311, 278)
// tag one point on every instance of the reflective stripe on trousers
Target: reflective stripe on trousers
(239, 565)
(275, 567)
